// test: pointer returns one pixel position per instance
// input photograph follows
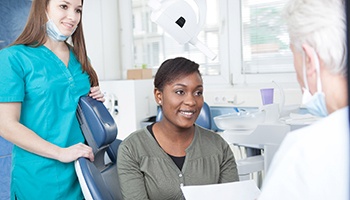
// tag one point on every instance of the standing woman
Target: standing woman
(41, 80)
(154, 162)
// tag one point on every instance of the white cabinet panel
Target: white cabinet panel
(135, 103)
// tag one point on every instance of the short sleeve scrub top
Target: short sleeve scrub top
(49, 92)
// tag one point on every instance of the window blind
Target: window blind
(265, 40)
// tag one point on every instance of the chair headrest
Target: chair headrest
(100, 125)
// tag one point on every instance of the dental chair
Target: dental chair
(98, 179)
(203, 120)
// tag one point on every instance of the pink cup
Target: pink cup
(267, 95)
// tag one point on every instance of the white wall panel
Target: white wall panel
(101, 30)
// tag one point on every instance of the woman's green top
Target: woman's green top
(48, 91)
(147, 172)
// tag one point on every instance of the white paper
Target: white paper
(242, 190)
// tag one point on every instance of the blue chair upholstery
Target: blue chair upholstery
(99, 179)
(203, 120)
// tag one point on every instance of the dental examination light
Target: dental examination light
(179, 20)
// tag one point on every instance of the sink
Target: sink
(240, 121)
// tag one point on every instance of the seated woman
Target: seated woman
(154, 162)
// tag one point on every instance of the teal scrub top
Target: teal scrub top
(49, 92)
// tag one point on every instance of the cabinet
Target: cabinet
(135, 103)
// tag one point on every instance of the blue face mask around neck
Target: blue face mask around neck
(54, 33)
(315, 104)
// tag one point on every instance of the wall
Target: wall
(101, 31)
(12, 20)
(5, 166)
(249, 95)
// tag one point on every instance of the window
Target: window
(152, 45)
(248, 36)
(264, 42)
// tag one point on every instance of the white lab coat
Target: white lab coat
(312, 163)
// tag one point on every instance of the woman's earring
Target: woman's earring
(160, 102)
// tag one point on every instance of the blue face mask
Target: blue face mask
(315, 104)
(54, 33)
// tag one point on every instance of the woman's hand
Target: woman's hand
(96, 93)
(74, 152)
